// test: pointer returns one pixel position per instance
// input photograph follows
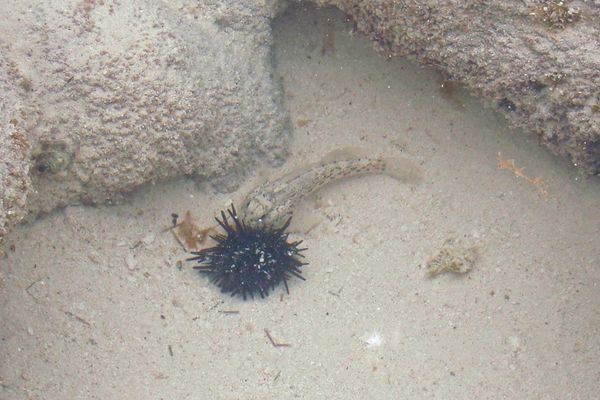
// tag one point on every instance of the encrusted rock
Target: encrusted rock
(537, 61)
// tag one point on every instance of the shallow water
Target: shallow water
(102, 308)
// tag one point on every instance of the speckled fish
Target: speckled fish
(274, 202)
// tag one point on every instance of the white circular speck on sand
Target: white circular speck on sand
(372, 340)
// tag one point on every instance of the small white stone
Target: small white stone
(131, 261)
(149, 239)
(515, 342)
(373, 340)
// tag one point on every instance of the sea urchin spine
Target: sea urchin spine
(247, 259)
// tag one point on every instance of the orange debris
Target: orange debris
(540, 186)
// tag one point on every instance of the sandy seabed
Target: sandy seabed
(97, 305)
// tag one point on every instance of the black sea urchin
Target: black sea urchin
(248, 260)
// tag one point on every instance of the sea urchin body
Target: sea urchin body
(249, 260)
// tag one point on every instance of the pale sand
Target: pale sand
(94, 306)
